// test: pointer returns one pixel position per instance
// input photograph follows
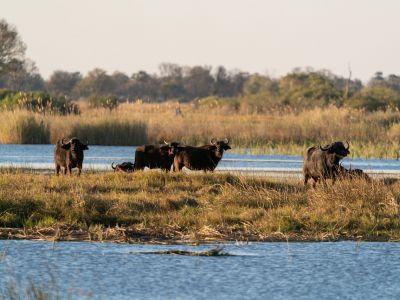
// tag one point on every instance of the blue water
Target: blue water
(101, 157)
(339, 270)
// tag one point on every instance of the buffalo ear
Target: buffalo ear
(66, 146)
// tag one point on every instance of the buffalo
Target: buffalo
(69, 155)
(124, 167)
(353, 174)
(321, 163)
(158, 156)
(205, 158)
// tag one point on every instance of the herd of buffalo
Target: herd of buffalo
(320, 162)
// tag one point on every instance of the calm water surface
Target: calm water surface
(340, 270)
(101, 157)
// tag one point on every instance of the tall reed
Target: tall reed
(287, 131)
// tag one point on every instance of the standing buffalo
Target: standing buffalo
(204, 158)
(321, 163)
(69, 155)
(125, 167)
(155, 156)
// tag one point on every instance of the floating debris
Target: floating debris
(211, 252)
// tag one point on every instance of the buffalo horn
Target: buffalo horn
(226, 141)
(325, 148)
(213, 141)
(348, 145)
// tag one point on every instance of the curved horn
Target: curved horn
(112, 166)
(348, 145)
(325, 148)
(166, 142)
(226, 140)
(213, 141)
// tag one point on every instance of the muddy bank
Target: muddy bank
(133, 235)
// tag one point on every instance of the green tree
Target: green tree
(62, 84)
(12, 49)
(97, 82)
(375, 98)
(307, 89)
(198, 82)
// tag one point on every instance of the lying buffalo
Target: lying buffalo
(353, 174)
(159, 156)
(321, 163)
(124, 167)
(69, 155)
(204, 158)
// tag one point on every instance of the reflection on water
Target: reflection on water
(101, 157)
(340, 270)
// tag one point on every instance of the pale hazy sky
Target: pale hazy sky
(269, 37)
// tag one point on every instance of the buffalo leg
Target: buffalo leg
(58, 170)
(65, 170)
(69, 171)
(79, 171)
(177, 167)
(315, 182)
(306, 177)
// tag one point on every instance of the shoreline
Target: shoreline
(124, 235)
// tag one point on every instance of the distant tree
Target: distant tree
(171, 81)
(260, 84)
(97, 82)
(307, 89)
(62, 83)
(23, 76)
(198, 82)
(393, 82)
(143, 86)
(121, 84)
(238, 79)
(223, 85)
(12, 49)
(376, 98)
(16, 72)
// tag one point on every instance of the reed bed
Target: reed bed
(276, 131)
(197, 207)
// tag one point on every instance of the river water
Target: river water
(337, 270)
(101, 157)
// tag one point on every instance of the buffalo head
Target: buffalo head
(337, 148)
(74, 144)
(221, 144)
(169, 148)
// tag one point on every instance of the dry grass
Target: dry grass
(370, 134)
(197, 207)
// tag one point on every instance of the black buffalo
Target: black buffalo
(321, 163)
(204, 158)
(353, 174)
(124, 167)
(158, 156)
(69, 155)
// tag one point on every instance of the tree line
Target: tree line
(299, 88)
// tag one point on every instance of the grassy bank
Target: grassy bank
(153, 206)
(371, 134)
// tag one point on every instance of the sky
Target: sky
(268, 37)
